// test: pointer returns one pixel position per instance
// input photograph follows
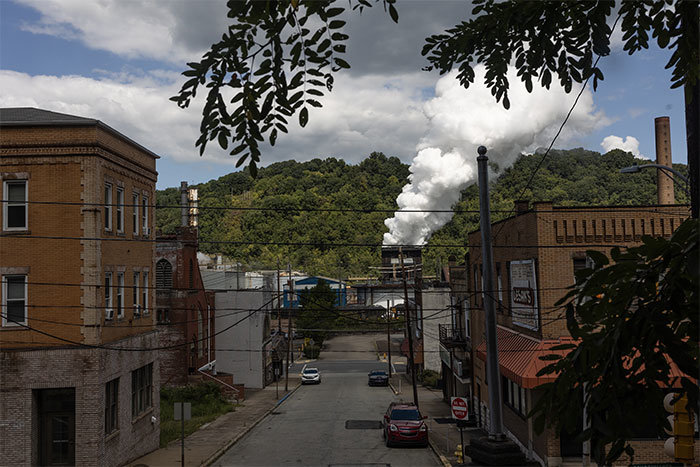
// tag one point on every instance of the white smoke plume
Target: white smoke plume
(463, 119)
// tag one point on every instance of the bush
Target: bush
(312, 351)
(430, 378)
(207, 404)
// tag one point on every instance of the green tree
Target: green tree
(317, 311)
(633, 319)
(280, 57)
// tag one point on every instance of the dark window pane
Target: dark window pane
(16, 216)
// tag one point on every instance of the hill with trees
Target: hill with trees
(275, 216)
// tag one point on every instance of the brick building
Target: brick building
(184, 310)
(536, 253)
(77, 284)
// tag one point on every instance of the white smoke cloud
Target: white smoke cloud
(627, 144)
(463, 119)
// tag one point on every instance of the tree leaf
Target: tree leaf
(303, 117)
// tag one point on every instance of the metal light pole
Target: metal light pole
(410, 332)
(636, 168)
(492, 367)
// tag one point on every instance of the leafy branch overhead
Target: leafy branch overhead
(558, 40)
(634, 321)
(277, 59)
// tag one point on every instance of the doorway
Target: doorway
(57, 426)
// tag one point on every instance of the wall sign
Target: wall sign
(523, 292)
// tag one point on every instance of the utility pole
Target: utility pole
(492, 367)
(410, 333)
(388, 335)
(279, 303)
(289, 323)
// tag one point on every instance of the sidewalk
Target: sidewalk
(205, 445)
(444, 434)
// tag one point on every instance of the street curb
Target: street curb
(228, 445)
(443, 459)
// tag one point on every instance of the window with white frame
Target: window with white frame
(120, 210)
(15, 206)
(120, 295)
(514, 396)
(135, 213)
(14, 300)
(109, 310)
(112, 406)
(137, 305)
(467, 319)
(144, 214)
(144, 293)
(108, 206)
(141, 389)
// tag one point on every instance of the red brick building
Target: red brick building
(536, 253)
(184, 310)
(79, 384)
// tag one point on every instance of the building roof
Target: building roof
(30, 116)
(21, 116)
(520, 357)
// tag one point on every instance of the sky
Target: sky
(119, 61)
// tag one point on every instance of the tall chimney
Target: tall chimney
(184, 207)
(664, 178)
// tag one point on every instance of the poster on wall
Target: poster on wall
(523, 292)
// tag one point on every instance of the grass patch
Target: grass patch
(207, 404)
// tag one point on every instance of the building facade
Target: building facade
(79, 384)
(536, 254)
(184, 309)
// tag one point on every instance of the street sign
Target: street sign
(459, 408)
(182, 407)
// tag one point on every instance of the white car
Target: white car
(310, 376)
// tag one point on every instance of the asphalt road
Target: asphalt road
(311, 427)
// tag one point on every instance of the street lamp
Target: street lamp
(636, 168)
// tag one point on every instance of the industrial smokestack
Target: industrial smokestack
(664, 184)
(184, 205)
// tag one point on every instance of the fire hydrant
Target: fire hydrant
(458, 453)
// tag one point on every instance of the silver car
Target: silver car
(310, 376)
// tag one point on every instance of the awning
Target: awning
(519, 357)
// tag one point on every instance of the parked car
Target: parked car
(378, 378)
(310, 376)
(404, 424)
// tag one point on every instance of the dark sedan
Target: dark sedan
(378, 378)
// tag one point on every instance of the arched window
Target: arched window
(164, 274)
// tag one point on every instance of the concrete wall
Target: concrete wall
(436, 311)
(239, 345)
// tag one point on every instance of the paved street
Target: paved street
(310, 427)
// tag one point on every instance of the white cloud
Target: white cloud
(627, 144)
(462, 119)
(171, 31)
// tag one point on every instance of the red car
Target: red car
(403, 424)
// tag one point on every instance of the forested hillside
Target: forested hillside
(257, 221)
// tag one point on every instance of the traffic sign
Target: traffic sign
(459, 408)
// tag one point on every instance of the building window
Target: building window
(141, 388)
(14, 300)
(15, 205)
(162, 316)
(120, 210)
(108, 206)
(135, 213)
(144, 293)
(467, 319)
(164, 274)
(109, 310)
(514, 396)
(144, 214)
(136, 296)
(120, 295)
(112, 406)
